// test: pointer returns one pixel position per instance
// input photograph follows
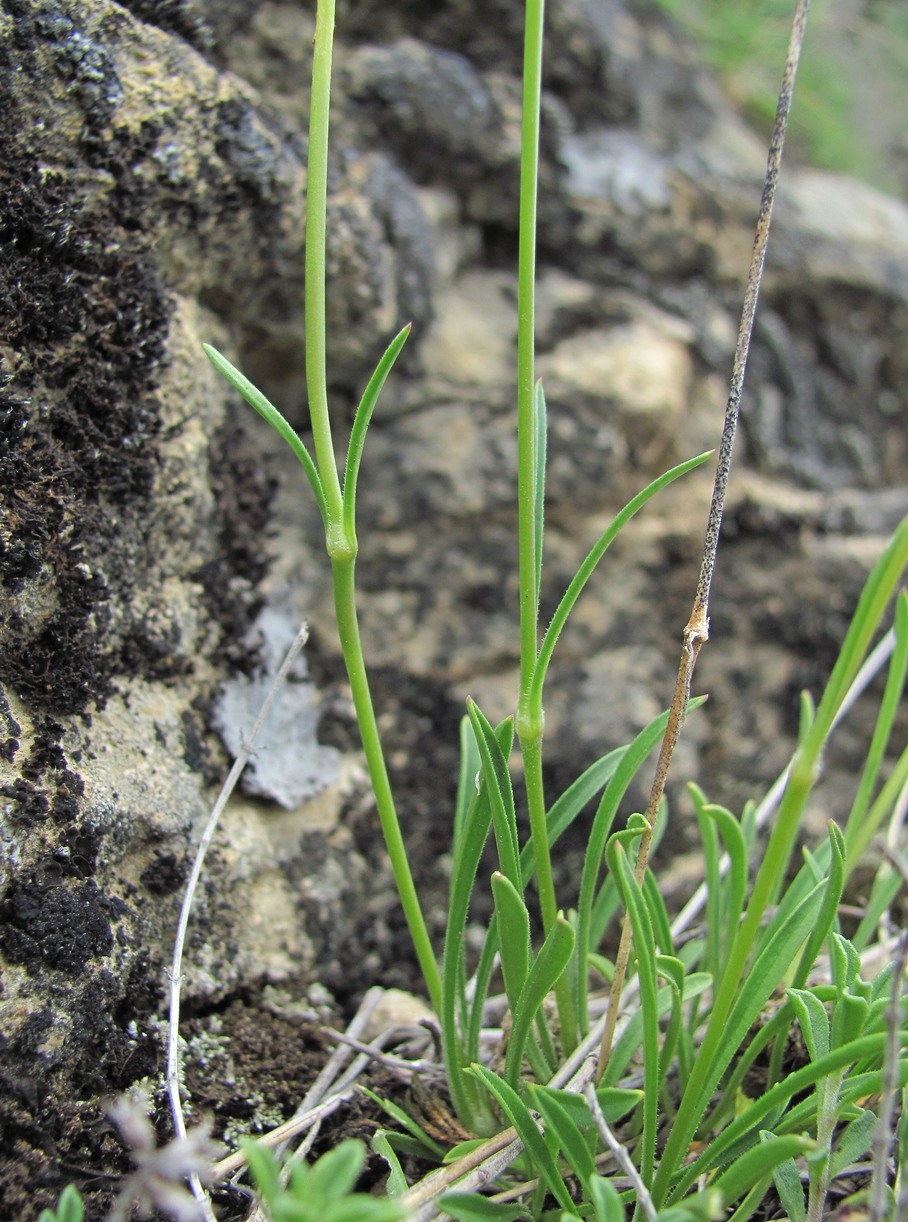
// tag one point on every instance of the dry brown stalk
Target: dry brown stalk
(696, 632)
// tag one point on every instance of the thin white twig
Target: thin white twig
(644, 1200)
(290, 1128)
(387, 1059)
(173, 1035)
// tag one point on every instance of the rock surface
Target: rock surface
(152, 197)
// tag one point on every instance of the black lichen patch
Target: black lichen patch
(165, 874)
(47, 787)
(55, 926)
(84, 318)
(53, 1132)
(9, 731)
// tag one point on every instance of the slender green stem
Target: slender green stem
(530, 721)
(340, 536)
(527, 440)
(348, 627)
(316, 212)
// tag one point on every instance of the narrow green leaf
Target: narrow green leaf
(645, 948)
(887, 883)
(879, 588)
(513, 936)
(615, 1102)
(397, 1181)
(513, 921)
(759, 1161)
(889, 705)
(462, 1149)
(813, 1020)
(853, 1143)
(361, 424)
(527, 1130)
(467, 788)
(605, 1200)
(560, 1123)
(471, 832)
(501, 794)
(724, 913)
(269, 412)
(883, 806)
(787, 1180)
(588, 566)
(471, 1207)
(828, 914)
(547, 968)
(709, 839)
(632, 759)
(405, 1120)
(845, 964)
(658, 914)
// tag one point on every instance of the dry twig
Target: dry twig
(696, 632)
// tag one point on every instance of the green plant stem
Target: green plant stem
(530, 719)
(526, 340)
(348, 628)
(340, 536)
(316, 226)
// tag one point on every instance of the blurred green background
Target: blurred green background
(851, 102)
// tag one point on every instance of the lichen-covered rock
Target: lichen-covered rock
(152, 197)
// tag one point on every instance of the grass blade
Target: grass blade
(631, 761)
(561, 1125)
(361, 424)
(501, 793)
(759, 1162)
(474, 817)
(895, 683)
(587, 568)
(528, 1131)
(269, 413)
(547, 969)
(645, 947)
(513, 921)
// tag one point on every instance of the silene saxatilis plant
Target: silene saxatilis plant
(636, 1100)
